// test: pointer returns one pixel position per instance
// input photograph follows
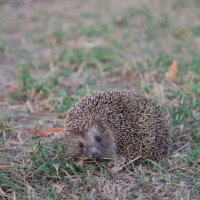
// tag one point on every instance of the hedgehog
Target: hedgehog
(114, 123)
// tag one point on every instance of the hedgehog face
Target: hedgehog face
(96, 143)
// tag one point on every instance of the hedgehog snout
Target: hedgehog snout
(95, 153)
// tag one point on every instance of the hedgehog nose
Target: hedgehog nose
(96, 155)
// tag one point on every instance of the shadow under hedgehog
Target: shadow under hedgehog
(116, 122)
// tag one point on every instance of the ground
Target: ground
(52, 53)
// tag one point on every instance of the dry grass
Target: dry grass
(52, 53)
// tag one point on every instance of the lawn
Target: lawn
(53, 53)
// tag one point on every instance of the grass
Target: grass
(54, 53)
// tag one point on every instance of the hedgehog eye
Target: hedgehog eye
(97, 138)
(80, 144)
